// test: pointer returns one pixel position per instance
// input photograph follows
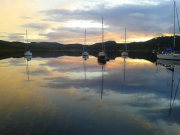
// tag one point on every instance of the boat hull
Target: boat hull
(124, 54)
(169, 56)
(28, 53)
(85, 53)
(101, 55)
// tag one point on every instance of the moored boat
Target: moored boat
(102, 54)
(170, 53)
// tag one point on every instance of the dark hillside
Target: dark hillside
(164, 42)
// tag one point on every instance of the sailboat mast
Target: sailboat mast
(125, 40)
(85, 37)
(26, 39)
(174, 22)
(102, 35)
(84, 40)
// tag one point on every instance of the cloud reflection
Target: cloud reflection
(60, 99)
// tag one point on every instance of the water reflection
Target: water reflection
(28, 58)
(102, 62)
(124, 57)
(85, 57)
(172, 81)
(61, 102)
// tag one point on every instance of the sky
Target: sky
(65, 21)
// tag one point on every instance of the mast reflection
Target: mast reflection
(85, 57)
(170, 66)
(102, 62)
(28, 58)
(124, 65)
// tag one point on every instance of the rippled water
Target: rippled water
(70, 95)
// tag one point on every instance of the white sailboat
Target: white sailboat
(170, 54)
(102, 55)
(28, 52)
(125, 53)
(85, 53)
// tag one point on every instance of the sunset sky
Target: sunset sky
(64, 21)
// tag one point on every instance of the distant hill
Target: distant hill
(149, 45)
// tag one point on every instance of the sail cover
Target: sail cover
(172, 49)
(165, 52)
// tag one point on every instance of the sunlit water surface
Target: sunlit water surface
(73, 96)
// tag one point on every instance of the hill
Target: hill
(164, 42)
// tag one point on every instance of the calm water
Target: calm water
(70, 95)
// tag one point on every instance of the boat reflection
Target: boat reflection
(28, 58)
(102, 62)
(168, 62)
(124, 64)
(85, 57)
(171, 65)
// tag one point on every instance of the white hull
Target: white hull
(124, 54)
(169, 56)
(28, 53)
(85, 53)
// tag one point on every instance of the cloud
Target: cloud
(155, 114)
(140, 20)
(143, 19)
(25, 17)
(16, 36)
(137, 15)
(109, 79)
(37, 25)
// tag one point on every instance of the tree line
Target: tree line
(152, 44)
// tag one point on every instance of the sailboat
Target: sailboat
(28, 52)
(85, 53)
(102, 55)
(170, 53)
(125, 53)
